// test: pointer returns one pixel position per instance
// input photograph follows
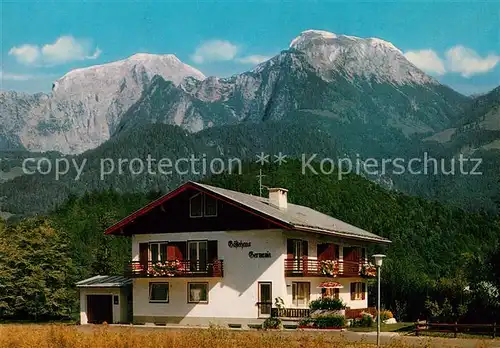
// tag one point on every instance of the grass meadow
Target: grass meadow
(71, 336)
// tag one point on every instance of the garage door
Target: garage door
(100, 309)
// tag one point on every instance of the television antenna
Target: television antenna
(261, 187)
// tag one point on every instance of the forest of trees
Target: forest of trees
(443, 262)
(40, 194)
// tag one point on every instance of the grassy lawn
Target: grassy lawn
(68, 336)
(398, 327)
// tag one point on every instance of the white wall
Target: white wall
(344, 293)
(233, 296)
(236, 294)
(119, 311)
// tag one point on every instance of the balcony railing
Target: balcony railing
(291, 312)
(266, 309)
(305, 267)
(178, 268)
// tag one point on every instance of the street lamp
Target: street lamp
(378, 263)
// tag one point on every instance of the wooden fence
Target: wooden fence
(455, 328)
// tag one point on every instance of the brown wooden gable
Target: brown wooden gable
(173, 215)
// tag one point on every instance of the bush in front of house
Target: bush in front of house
(330, 321)
(271, 323)
(385, 315)
(326, 303)
(306, 323)
(365, 320)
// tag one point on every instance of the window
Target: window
(330, 293)
(210, 206)
(197, 253)
(158, 292)
(202, 205)
(196, 206)
(300, 293)
(198, 292)
(358, 291)
(158, 252)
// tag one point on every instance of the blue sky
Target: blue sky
(457, 42)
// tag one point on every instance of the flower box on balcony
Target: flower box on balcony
(368, 271)
(167, 268)
(329, 267)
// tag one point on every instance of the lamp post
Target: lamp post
(378, 263)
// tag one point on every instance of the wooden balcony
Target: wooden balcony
(306, 267)
(178, 268)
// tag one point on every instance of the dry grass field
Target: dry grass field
(67, 336)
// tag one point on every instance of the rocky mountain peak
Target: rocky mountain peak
(352, 56)
(137, 66)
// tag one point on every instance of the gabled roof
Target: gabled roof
(104, 282)
(295, 217)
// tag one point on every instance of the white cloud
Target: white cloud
(458, 59)
(26, 54)
(5, 76)
(64, 49)
(9, 76)
(253, 59)
(426, 60)
(214, 50)
(467, 62)
(222, 50)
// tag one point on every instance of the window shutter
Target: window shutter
(176, 251)
(356, 254)
(363, 289)
(305, 247)
(143, 254)
(212, 250)
(337, 252)
(321, 251)
(289, 248)
(331, 251)
(353, 291)
(348, 254)
(363, 254)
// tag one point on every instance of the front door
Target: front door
(265, 299)
(198, 255)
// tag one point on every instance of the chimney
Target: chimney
(278, 198)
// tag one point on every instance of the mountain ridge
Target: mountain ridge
(337, 74)
(85, 104)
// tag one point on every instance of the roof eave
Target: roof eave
(191, 184)
(380, 240)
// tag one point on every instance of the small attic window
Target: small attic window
(196, 206)
(210, 206)
(201, 205)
